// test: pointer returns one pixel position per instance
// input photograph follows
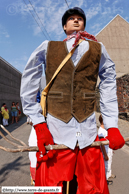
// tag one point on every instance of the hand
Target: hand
(44, 137)
(116, 140)
(106, 158)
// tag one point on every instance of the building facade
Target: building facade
(10, 80)
(123, 96)
(115, 36)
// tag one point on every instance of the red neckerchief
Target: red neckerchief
(80, 35)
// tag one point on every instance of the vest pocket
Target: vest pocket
(89, 95)
(55, 94)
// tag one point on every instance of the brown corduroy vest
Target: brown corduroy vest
(73, 90)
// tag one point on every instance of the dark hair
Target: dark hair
(74, 10)
(100, 119)
(13, 103)
(3, 104)
(17, 103)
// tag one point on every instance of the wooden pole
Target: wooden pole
(22, 147)
(50, 147)
(67, 188)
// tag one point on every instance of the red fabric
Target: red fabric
(44, 137)
(116, 140)
(87, 164)
(33, 172)
(80, 35)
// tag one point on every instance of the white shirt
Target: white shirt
(102, 132)
(73, 131)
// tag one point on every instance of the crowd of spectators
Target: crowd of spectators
(15, 113)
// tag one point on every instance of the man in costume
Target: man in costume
(70, 107)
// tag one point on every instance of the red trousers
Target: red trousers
(87, 164)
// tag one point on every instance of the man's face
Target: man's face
(74, 23)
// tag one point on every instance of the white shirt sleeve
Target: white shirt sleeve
(102, 132)
(108, 90)
(30, 84)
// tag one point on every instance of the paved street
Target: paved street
(14, 167)
(120, 167)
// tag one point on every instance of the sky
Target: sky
(25, 24)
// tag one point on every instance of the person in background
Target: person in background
(32, 141)
(3, 106)
(14, 112)
(5, 114)
(18, 111)
(107, 152)
(28, 120)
